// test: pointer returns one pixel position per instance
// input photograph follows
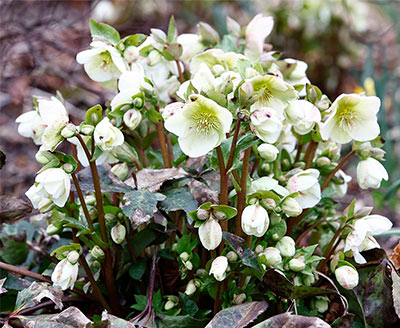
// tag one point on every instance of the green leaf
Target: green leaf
(304, 291)
(183, 321)
(277, 282)
(94, 115)
(152, 235)
(178, 199)
(34, 294)
(137, 270)
(14, 251)
(238, 316)
(174, 51)
(104, 30)
(183, 244)
(172, 33)
(188, 306)
(140, 200)
(134, 40)
(59, 252)
(141, 301)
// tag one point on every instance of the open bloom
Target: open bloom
(191, 44)
(31, 126)
(102, 62)
(353, 116)
(267, 124)
(66, 271)
(107, 136)
(347, 277)
(210, 234)
(201, 125)
(219, 267)
(305, 183)
(361, 238)
(370, 173)
(255, 220)
(256, 32)
(303, 115)
(293, 71)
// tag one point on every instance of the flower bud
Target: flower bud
(268, 152)
(190, 288)
(286, 246)
(219, 267)
(96, 265)
(169, 305)
(207, 33)
(184, 256)
(154, 58)
(285, 164)
(275, 218)
(52, 229)
(110, 217)
(239, 299)
(308, 280)
(364, 150)
(174, 247)
(121, 171)
(69, 131)
(231, 256)
(93, 213)
(44, 157)
(246, 92)
(68, 168)
(203, 214)
(255, 220)
(188, 265)
(87, 129)
(269, 203)
(97, 253)
(322, 305)
(132, 118)
(347, 277)
(378, 153)
(219, 215)
(323, 161)
(45, 205)
(291, 207)
(118, 233)
(201, 272)
(259, 249)
(210, 234)
(131, 54)
(218, 69)
(73, 257)
(270, 256)
(124, 154)
(297, 264)
(90, 199)
(370, 173)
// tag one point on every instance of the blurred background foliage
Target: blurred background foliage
(349, 45)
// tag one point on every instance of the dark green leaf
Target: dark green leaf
(178, 199)
(140, 200)
(183, 321)
(14, 251)
(188, 306)
(137, 270)
(277, 282)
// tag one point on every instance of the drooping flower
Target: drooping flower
(305, 183)
(270, 256)
(370, 173)
(286, 246)
(303, 115)
(361, 238)
(201, 125)
(291, 207)
(191, 44)
(352, 117)
(255, 220)
(219, 267)
(66, 271)
(107, 136)
(102, 62)
(256, 32)
(210, 234)
(347, 277)
(267, 124)
(268, 152)
(294, 72)
(31, 126)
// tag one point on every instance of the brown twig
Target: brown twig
(337, 168)
(241, 199)
(310, 152)
(217, 303)
(82, 200)
(163, 144)
(305, 232)
(181, 79)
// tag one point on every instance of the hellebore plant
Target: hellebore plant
(206, 182)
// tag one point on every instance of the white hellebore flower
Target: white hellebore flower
(303, 115)
(361, 238)
(31, 126)
(256, 32)
(293, 71)
(271, 256)
(255, 220)
(370, 173)
(347, 277)
(353, 116)
(107, 136)
(191, 44)
(219, 267)
(305, 183)
(52, 184)
(201, 125)
(267, 124)
(286, 246)
(66, 271)
(268, 152)
(102, 62)
(210, 234)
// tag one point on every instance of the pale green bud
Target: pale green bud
(73, 257)
(184, 256)
(154, 58)
(87, 129)
(219, 215)
(323, 161)
(286, 246)
(269, 203)
(169, 305)
(110, 217)
(97, 253)
(231, 256)
(275, 218)
(207, 33)
(246, 92)
(291, 207)
(44, 157)
(118, 233)
(133, 117)
(69, 131)
(347, 277)
(52, 229)
(218, 69)
(308, 280)
(268, 152)
(203, 214)
(93, 213)
(378, 153)
(271, 256)
(68, 168)
(174, 247)
(131, 54)
(190, 288)
(201, 272)
(259, 249)
(90, 199)
(121, 171)
(322, 305)
(188, 265)
(45, 205)
(299, 165)
(297, 264)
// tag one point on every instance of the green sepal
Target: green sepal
(94, 115)
(105, 31)
(59, 252)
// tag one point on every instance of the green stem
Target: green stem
(82, 200)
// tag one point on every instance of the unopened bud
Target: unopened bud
(93, 213)
(268, 152)
(174, 247)
(285, 164)
(68, 168)
(219, 215)
(286, 246)
(203, 214)
(73, 257)
(190, 288)
(201, 272)
(87, 129)
(207, 33)
(275, 218)
(231, 256)
(118, 233)
(269, 203)
(218, 69)
(347, 277)
(378, 153)
(44, 157)
(97, 253)
(131, 54)
(297, 264)
(69, 131)
(270, 256)
(291, 207)
(239, 299)
(259, 249)
(124, 153)
(188, 265)
(323, 161)
(184, 256)
(299, 165)
(110, 217)
(90, 199)
(322, 305)
(169, 305)
(246, 92)
(121, 171)
(133, 117)
(52, 229)
(154, 58)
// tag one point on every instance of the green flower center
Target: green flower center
(205, 122)
(267, 94)
(346, 117)
(106, 61)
